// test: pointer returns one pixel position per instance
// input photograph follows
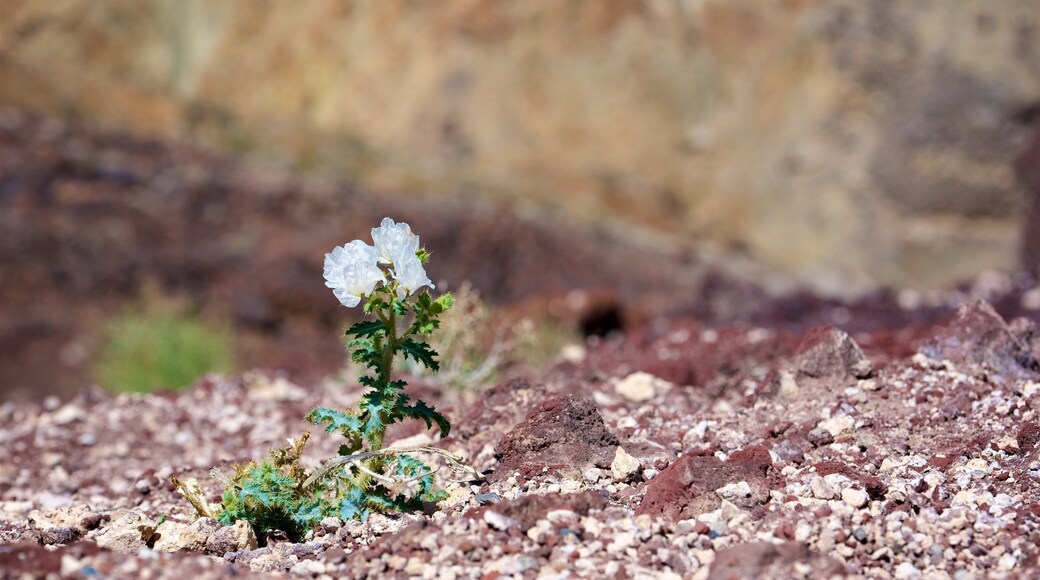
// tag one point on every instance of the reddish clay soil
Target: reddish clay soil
(703, 429)
(686, 451)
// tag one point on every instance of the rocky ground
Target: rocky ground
(703, 427)
(675, 450)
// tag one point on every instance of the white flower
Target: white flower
(393, 239)
(397, 245)
(410, 274)
(352, 271)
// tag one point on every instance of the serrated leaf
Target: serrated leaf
(369, 381)
(421, 352)
(374, 413)
(400, 307)
(380, 503)
(420, 410)
(365, 328)
(308, 513)
(436, 495)
(373, 303)
(353, 506)
(423, 300)
(444, 302)
(338, 420)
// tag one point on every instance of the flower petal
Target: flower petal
(352, 271)
(393, 238)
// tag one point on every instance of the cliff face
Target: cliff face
(849, 143)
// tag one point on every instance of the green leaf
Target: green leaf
(373, 303)
(423, 300)
(368, 381)
(435, 495)
(421, 352)
(338, 420)
(361, 347)
(442, 304)
(420, 410)
(376, 416)
(353, 506)
(308, 513)
(400, 307)
(366, 328)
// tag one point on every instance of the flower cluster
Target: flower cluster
(353, 270)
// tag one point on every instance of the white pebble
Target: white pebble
(856, 498)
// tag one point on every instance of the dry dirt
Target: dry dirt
(681, 450)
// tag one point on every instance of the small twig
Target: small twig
(381, 478)
(192, 491)
(454, 461)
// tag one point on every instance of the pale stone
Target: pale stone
(457, 494)
(624, 467)
(557, 516)
(573, 353)
(127, 534)
(238, 537)
(838, 425)
(734, 491)
(622, 540)
(640, 387)
(788, 386)
(499, 521)
(62, 525)
(906, 570)
(1008, 444)
(821, 489)
(856, 498)
(414, 567)
(174, 536)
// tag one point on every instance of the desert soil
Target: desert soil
(677, 450)
(703, 429)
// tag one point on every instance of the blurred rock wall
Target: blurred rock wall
(848, 143)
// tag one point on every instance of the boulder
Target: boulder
(689, 486)
(979, 340)
(826, 361)
(238, 537)
(127, 534)
(172, 536)
(63, 525)
(564, 432)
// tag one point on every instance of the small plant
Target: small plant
(477, 344)
(152, 349)
(278, 493)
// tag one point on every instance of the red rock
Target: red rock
(754, 460)
(942, 462)
(829, 353)
(687, 487)
(1028, 435)
(979, 338)
(561, 431)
